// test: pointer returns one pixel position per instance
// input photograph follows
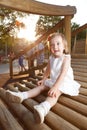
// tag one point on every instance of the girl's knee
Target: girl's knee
(42, 88)
(59, 93)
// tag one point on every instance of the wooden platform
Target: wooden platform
(70, 113)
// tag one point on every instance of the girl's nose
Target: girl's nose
(56, 46)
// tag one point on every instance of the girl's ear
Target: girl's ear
(64, 51)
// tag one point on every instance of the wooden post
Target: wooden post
(11, 67)
(86, 43)
(67, 31)
(74, 46)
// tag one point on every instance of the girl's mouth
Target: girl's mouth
(56, 50)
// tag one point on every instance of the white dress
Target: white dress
(69, 85)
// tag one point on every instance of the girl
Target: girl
(61, 79)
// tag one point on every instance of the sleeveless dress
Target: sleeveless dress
(69, 85)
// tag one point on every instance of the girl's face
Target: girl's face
(57, 46)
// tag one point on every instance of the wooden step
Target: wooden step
(23, 114)
(70, 112)
(77, 73)
(82, 70)
(79, 66)
(8, 123)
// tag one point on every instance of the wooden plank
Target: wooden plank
(82, 70)
(25, 115)
(79, 62)
(79, 66)
(79, 98)
(7, 120)
(79, 56)
(29, 84)
(68, 114)
(12, 88)
(80, 78)
(80, 29)
(75, 118)
(35, 7)
(79, 107)
(52, 120)
(67, 32)
(83, 84)
(80, 74)
(21, 87)
(83, 91)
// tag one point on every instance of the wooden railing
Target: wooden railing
(75, 34)
(43, 37)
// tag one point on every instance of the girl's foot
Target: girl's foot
(14, 96)
(39, 113)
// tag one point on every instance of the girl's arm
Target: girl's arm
(47, 71)
(46, 74)
(66, 63)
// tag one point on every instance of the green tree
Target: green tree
(74, 26)
(9, 25)
(45, 23)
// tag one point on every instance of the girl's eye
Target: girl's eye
(58, 43)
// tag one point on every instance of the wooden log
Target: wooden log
(79, 62)
(52, 120)
(80, 78)
(79, 66)
(80, 74)
(73, 117)
(25, 115)
(82, 70)
(80, 29)
(29, 84)
(83, 91)
(7, 120)
(79, 98)
(83, 84)
(79, 56)
(68, 114)
(33, 80)
(12, 88)
(21, 87)
(35, 7)
(74, 105)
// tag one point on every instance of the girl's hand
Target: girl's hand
(53, 91)
(39, 83)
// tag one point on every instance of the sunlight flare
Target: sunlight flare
(28, 31)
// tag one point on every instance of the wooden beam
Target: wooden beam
(34, 7)
(68, 31)
(86, 43)
(80, 29)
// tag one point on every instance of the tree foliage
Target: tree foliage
(45, 23)
(8, 20)
(74, 26)
(81, 35)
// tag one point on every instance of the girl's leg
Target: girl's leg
(43, 108)
(20, 96)
(53, 100)
(34, 92)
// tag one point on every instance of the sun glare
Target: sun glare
(28, 32)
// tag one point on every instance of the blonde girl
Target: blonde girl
(61, 79)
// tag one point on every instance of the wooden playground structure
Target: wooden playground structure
(70, 112)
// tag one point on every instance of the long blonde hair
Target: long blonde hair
(66, 50)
